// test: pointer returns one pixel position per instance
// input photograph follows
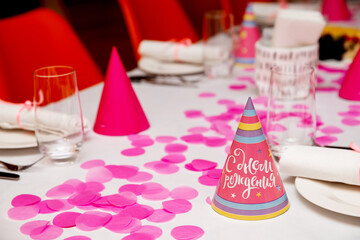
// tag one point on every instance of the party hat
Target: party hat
(248, 35)
(335, 10)
(250, 187)
(120, 112)
(350, 88)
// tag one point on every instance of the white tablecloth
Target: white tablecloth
(164, 107)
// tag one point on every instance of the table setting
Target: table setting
(176, 149)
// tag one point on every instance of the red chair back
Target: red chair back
(35, 39)
(236, 7)
(156, 20)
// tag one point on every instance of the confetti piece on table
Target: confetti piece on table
(201, 164)
(162, 167)
(36, 226)
(122, 171)
(132, 152)
(206, 95)
(187, 232)
(177, 206)
(246, 79)
(92, 163)
(99, 174)
(193, 138)
(237, 87)
(66, 219)
(215, 141)
(331, 130)
(118, 222)
(354, 107)
(94, 186)
(49, 233)
(138, 211)
(208, 200)
(350, 122)
(174, 158)
(193, 113)
(25, 200)
(214, 173)
(134, 188)
(76, 183)
(325, 140)
(153, 230)
(83, 198)
(146, 142)
(134, 137)
(141, 177)
(122, 199)
(139, 236)
(208, 181)
(92, 220)
(77, 238)
(184, 192)
(59, 204)
(44, 208)
(165, 139)
(24, 212)
(226, 102)
(351, 113)
(198, 129)
(175, 148)
(160, 215)
(63, 190)
(134, 225)
(163, 194)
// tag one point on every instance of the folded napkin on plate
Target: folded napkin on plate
(294, 28)
(334, 165)
(51, 121)
(177, 52)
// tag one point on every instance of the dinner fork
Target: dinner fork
(15, 167)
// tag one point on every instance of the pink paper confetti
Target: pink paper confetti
(160, 215)
(350, 122)
(162, 167)
(187, 232)
(214, 173)
(201, 164)
(141, 177)
(123, 171)
(184, 192)
(165, 139)
(66, 219)
(59, 204)
(139, 236)
(92, 220)
(138, 211)
(134, 225)
(146, 142)
(351, 113)
(153, 230)
(24, 212)
(93, 163)
(49, 233)
(77, 238)
(119, 222)
(228, 102)
(208, 181)
(94, 186)
(237, 87)
(331, 130)
(44, 208)
(34, 227)
(122, 199)
(193, 138)
(193, 113)
(198, 129)
(132, 152)
(25, 200)
(354, 107)
(63, 190)
(215, 141)
(206, 95)
(83, 198)
(277, 127)
(175, 148)
(177, 206)
(76, 183)
(134, 188)
(155, 196)
(174, 158)
(134, 137)
(246, 79)
(208, 200)
(98, 174)
(325, 140)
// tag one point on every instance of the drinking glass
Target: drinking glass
(58, 117)
(291, 115)
(218, 43)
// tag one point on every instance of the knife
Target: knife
(9, 176)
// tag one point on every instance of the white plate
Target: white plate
(337, 197)
(154, 66)
(17, 138)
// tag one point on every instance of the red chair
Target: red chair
(236, 7)
(35, 39)
(156, 20)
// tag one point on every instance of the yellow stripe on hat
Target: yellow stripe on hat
(249, 126)
(258, 217)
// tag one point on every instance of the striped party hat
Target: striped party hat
(250, 187)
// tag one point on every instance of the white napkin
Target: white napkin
(334, 165)
(176, 52)
(294, 28)
(51, 121)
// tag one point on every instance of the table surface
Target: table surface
(165, 107)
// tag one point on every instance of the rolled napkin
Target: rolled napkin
(170, 51)
(10, 113)
(327, 164)
(295, 28)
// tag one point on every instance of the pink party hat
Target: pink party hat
(250, 187)
(335, 10)
(248, 35)
(350, 88)
(120, 112)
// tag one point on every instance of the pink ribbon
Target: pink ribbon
(354, 147)
(27, 105)
(183, 42)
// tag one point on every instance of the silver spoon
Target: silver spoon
(15, 167)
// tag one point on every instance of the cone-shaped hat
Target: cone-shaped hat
(120, 112)
(335, 10)
(350, 88)
(250, 187)
(248, 35)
